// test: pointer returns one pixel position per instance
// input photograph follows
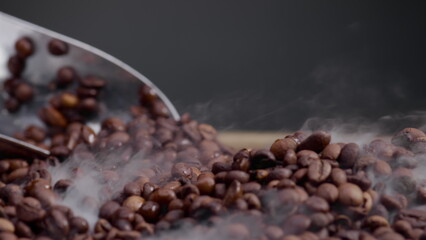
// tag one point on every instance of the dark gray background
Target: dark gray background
(250, 64)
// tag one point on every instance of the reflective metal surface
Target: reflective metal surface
(122, 80)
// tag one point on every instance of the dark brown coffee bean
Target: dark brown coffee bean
(316, 142)
(251, 187)
(117, 139)
(84, 92)
(150, 211)
(233, 192)
(181, 170)
(162, 196)
(16, 65)
(290, 158)
(24, 47)
(65, 76)
(403, 227)
(68, 100)
(132, 188)
(281, 146)
(349, 155)
(242, 164)
(205, 185)
(107, 209)
(23, 230)
(328, 191)
(57, 47)
(350, 194)
(23, 92)
(361, 180)
(318, 171)
(12, 104)
(30, 210)
(240, 176)
(102, 226)
(35, 133)
(262, 159)
(124, 213)
(52, 117)
(221, 167)
(79, 225)
(397, 201)
(175, 204)
(279, 174)
(88, 106)
(207, 131)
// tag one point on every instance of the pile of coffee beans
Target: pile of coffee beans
(157, 178)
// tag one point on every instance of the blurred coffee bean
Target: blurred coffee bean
(349, 155)
(16, 65)
(57, 47)
(24, 47)
(23, 92)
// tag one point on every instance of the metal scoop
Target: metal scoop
(41, 67)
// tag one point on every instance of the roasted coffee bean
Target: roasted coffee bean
(318, 171)
(6, 225)
(262, 159)
(296, 224)
(233, 192)
(349, 155)
(134, 203)
(405, 137)
(57, 47)
(23, 92)
(79, 225)
(274, 232)
(150, 211)
(338, 176)
(316, 142)
(382, 168)
(12, 104)
(65, 76)
(24, 47)
(107, 209)
(328, 191)
(205, 185)
(317, 204)
(280, 147)
(240, 176)
(52, 117)
(88, 106)
(350, 194)
(361, 180)
(290, 157)
(331, 151)
(35, 133)
(30, 210)
(8, 236)
(181, 170)
(16, 65)
(397, 201)
(221, 167)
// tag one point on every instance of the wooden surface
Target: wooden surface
(244, 139)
